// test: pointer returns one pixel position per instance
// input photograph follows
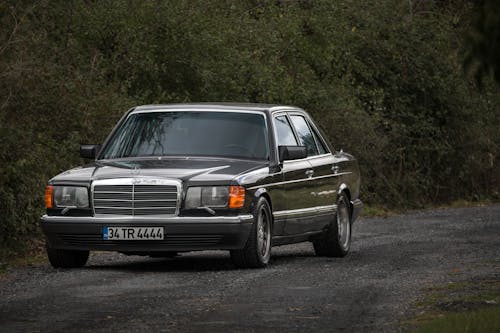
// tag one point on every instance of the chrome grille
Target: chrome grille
(136, 196)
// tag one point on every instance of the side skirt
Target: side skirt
(292, 239)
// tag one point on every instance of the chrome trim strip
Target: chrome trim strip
(108, 207)
(308, 158)
(130, 208)
(149, 219)
(198, 110)
(284, 108)
(215, 110)
(126, 200)
(298, 180)
(305, 211)
(314, 157)
(309, 233)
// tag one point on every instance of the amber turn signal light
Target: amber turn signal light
(49, 191)
(236, 196)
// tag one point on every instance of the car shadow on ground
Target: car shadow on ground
(189, 262)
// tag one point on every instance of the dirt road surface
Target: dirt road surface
(393, 261)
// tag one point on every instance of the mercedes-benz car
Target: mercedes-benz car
(186, 177)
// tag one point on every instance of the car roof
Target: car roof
(216, 106)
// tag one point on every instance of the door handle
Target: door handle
(335, 168)
(309, 173)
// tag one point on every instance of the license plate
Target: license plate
(132, 233)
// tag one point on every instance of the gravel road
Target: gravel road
(393, 261)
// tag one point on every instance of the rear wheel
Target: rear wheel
(66, 258)
(336, 241)
(257, 250)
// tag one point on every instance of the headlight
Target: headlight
(66, 196)
(215, 197)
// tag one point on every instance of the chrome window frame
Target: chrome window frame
(275, 112)
(164, 110)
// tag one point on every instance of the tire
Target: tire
(257, 250)
(336, 241)
(67, 258)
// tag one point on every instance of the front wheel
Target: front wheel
(67, 258)
(336, 241)
(257, 250)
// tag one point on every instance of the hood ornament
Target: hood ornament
(136, 170)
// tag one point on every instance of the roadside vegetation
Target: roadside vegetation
(472, 306)
(32, 253)
(478, 321)
(385, 79)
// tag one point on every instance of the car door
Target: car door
(296, 185)
(323, 183)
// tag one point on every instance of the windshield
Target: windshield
(190, 133)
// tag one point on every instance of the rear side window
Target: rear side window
(284, 132)
(305, 136)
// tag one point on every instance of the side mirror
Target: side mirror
(291, 153)
(89, 151)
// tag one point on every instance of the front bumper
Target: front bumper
(180, 233)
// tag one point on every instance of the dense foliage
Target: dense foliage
(385, 78)
(483, 58)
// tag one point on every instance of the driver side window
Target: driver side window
(305, 136)
(284, 132)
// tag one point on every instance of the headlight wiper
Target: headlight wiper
(66, 209)
(208, 209)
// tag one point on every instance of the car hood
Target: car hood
(217, 171)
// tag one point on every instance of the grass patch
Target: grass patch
(470, 306)
(483, 320)
(377, 211)
(380, 211)
(467, 203)
(32, 252)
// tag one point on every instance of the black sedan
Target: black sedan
(185, 177)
